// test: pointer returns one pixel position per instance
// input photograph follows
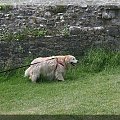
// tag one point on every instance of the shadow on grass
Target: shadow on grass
(43, 79)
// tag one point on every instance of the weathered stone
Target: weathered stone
(113, 31)
(106, 16)
(75, 30)
(39, 20)
(112, 13)
(85, 26)
(47, 14)
(116, 22)
(20, 17)
(51, 22)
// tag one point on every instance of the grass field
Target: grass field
(90, 88)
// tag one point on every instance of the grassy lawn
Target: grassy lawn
(88, 93)
(82, 93)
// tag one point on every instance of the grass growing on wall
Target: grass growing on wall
(91, 87)
(24, 34)
(5, 7)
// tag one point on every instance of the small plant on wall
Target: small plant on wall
(5, 7)
(65, 32)
(24, 34)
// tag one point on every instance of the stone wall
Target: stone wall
(85, 26)
(60, 2)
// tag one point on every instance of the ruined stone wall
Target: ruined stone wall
(70, 30)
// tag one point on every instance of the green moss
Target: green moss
(24, 34)
(65, 32)
(5, 7)
(59, 9)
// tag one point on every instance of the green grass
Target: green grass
(24, 34)
(5, 7)
(87, 90)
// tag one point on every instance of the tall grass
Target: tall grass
(94, 61)
(100, 59)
